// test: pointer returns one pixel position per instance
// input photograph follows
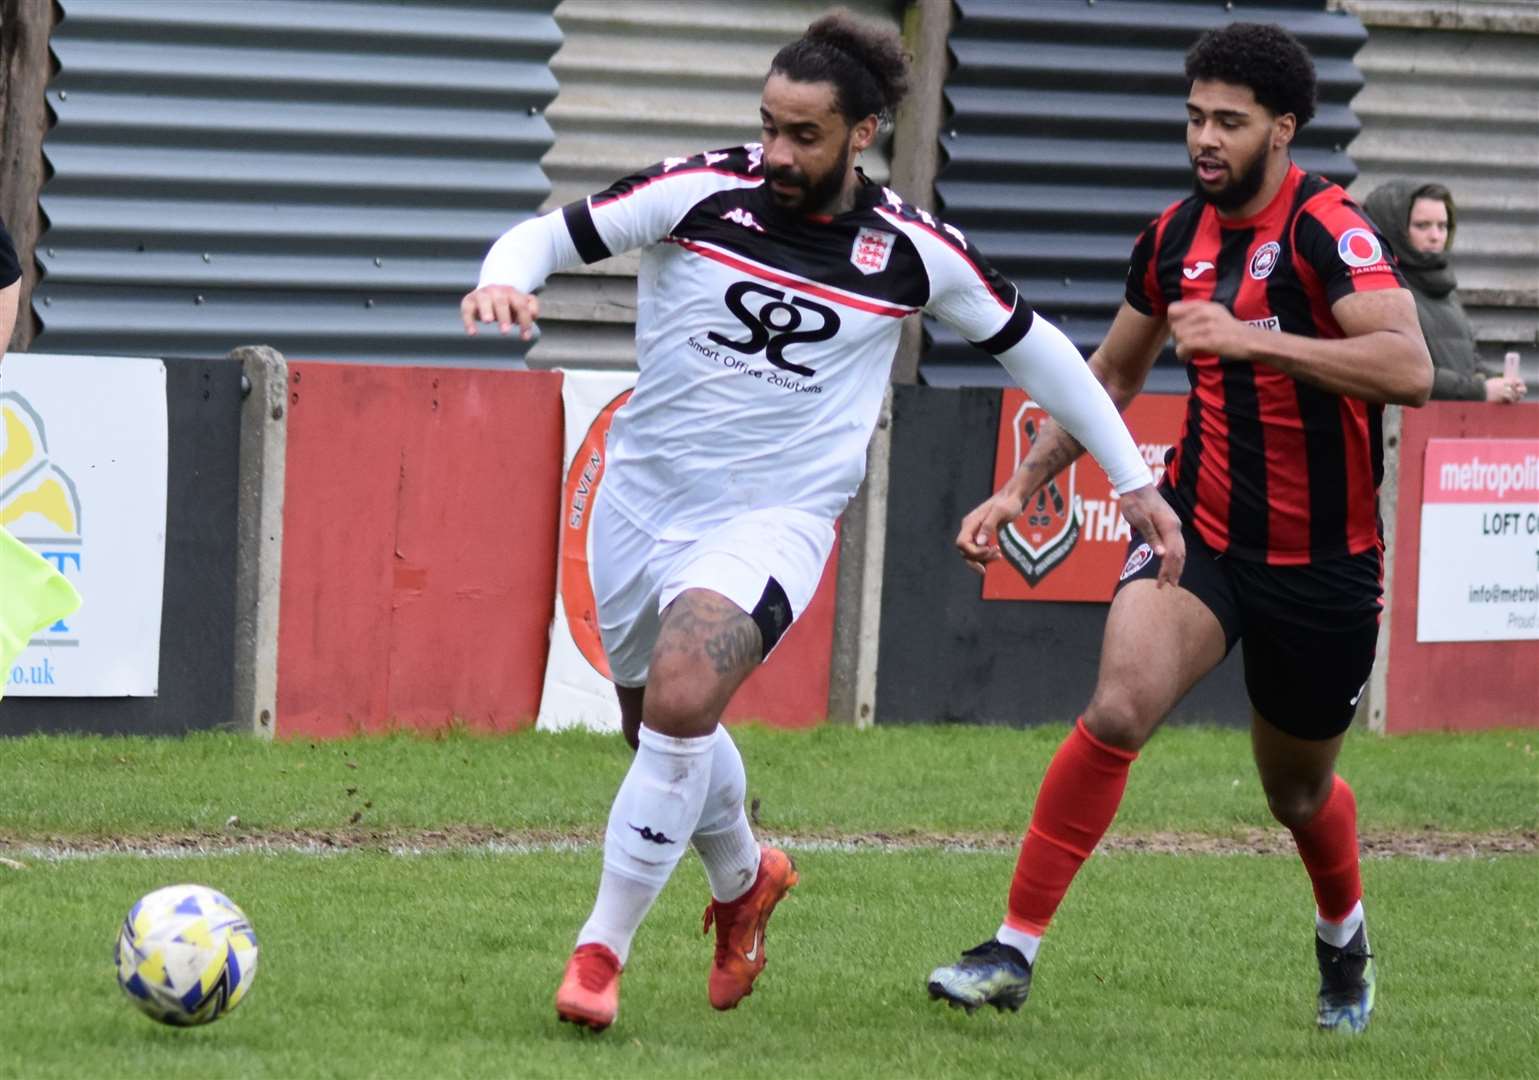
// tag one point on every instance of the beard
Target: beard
(817, 194)
(1242, 187)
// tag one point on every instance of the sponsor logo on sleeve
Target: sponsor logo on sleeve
(1359, 248)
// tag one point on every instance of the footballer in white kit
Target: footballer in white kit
(774, 280)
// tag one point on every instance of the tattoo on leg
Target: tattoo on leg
(698, 621)
(733, 648)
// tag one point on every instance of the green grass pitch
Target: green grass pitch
(378, 963)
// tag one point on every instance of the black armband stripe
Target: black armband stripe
(1015, 328)
(579, 222)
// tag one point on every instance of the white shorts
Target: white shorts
(636, 575)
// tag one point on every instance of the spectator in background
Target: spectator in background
(1418, 219)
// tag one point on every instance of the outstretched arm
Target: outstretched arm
(630, 213)
(1120, 367)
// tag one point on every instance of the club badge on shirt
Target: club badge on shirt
(1265, 258)
(872, 250)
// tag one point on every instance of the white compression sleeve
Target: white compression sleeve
(1048, 366)
(530, 252)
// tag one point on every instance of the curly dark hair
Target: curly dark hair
(865, 62)
(1262, 56)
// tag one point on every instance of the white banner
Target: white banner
(1479, 578)
(577, 691)
(83, 452)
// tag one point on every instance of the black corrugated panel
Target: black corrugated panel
(322, 176)
(1066, 135)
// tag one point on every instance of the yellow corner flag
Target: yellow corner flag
(32, 595)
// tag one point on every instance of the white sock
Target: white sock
(654, 813)
(724, 838)
(1338, 934)
(1028, 944)
(617, 913)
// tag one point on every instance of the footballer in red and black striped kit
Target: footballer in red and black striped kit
(1296, 328)
(1270, 467)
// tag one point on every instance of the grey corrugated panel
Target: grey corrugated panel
(1066, 137)
(641, 81)
(324, 175)
(1462, 108)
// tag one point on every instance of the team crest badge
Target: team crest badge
(1049, 527)
(872, 250)
(1136, 561)
(1264, 259)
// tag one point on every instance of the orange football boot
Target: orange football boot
(590, 990)
(740, 929)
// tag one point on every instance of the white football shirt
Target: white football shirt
(765, 338)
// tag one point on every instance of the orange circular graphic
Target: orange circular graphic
(577, 494)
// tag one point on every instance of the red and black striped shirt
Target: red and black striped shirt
(1268, 467)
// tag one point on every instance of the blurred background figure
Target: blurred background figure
(1419, 220)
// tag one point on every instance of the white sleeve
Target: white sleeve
(528, 253)
(1048, 366)
(985, 308)
(633, 212)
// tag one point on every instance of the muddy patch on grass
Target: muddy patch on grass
(1419, 844)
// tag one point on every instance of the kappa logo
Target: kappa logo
(1264, 260)
(1359, 248)
(1191, 273)
(743, 217)
(651, 837)
(712, 159)
(1047, 531)
(872, 250)
(1136, 561)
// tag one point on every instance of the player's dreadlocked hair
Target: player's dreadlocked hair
(866, 63)
(1262, 56)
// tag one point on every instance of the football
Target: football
(186, 955)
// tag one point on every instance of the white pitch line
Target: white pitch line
(404, 847)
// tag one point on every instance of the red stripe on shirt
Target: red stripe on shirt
(799, 284)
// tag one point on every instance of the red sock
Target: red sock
(1078, 799)
(1328, 846)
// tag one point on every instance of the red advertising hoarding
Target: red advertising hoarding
(1071, 540)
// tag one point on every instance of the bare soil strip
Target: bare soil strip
(1419, 844)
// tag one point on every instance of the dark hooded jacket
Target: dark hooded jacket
(1450, 337)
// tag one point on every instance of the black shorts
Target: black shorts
(1309, 631)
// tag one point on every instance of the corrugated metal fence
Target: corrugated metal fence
(1453, 97)
(1066, 137)
(316, 175)
(641, 81)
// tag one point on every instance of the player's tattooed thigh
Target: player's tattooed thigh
(735, 647)
(701, 621)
